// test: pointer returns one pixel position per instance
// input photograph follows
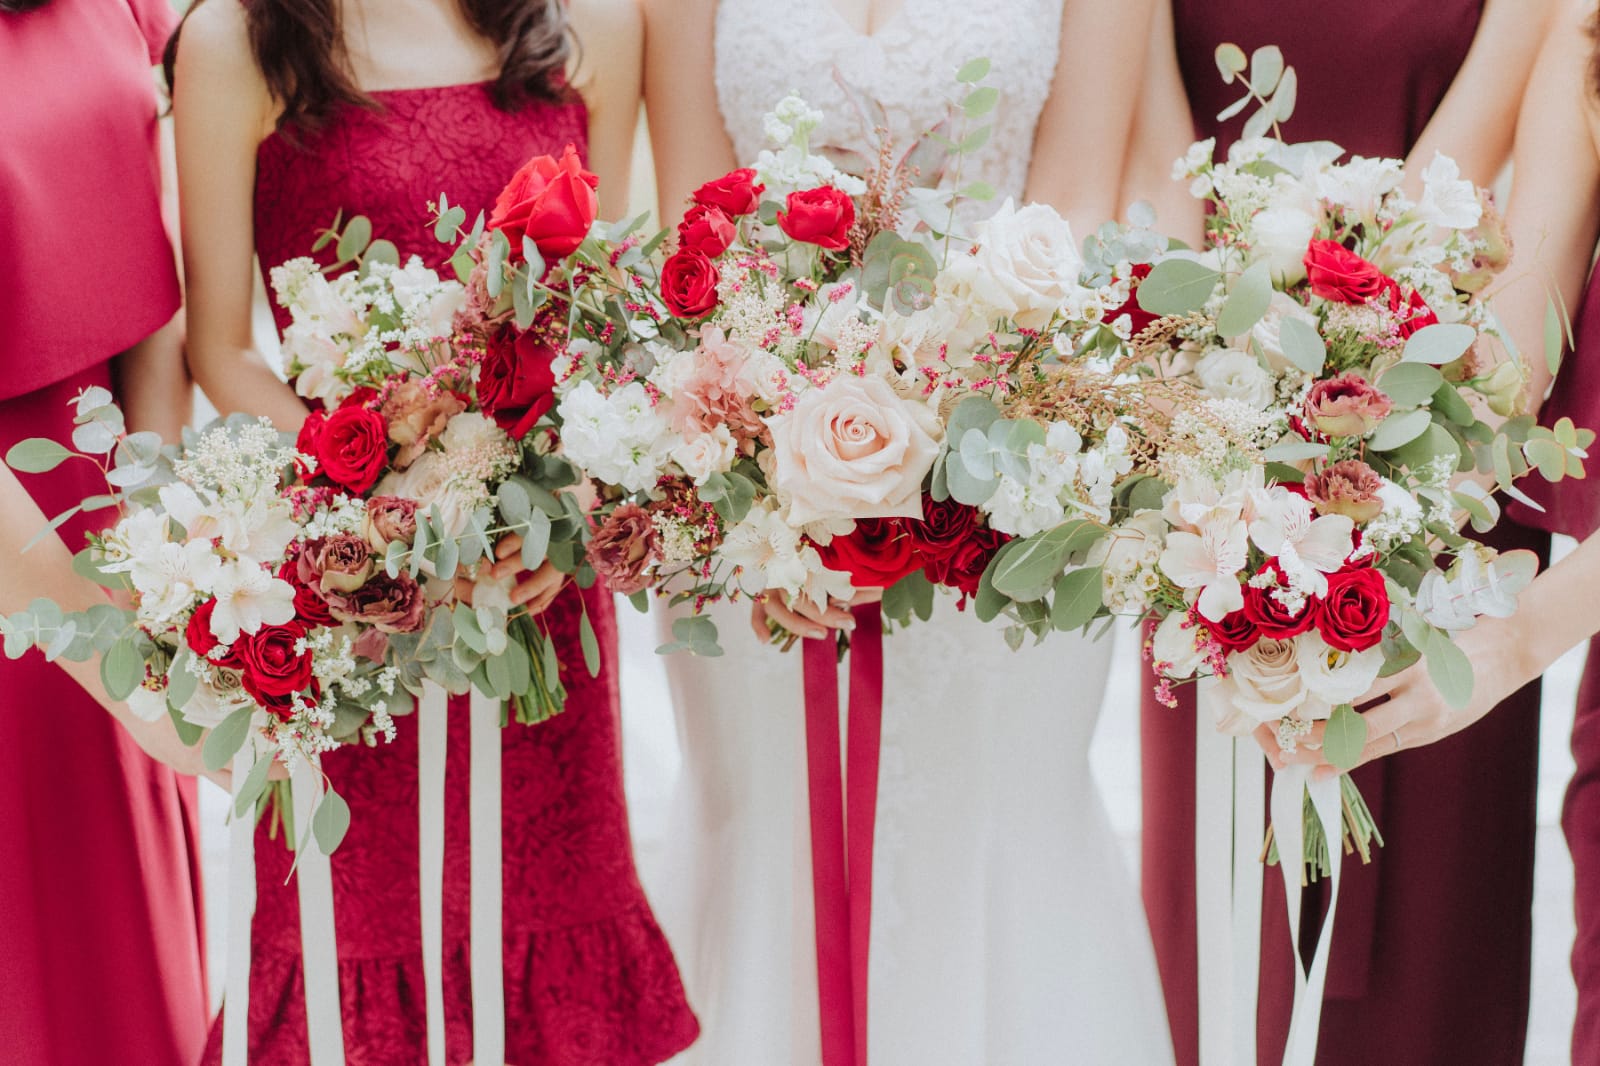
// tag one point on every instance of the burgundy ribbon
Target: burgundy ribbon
(844, 803)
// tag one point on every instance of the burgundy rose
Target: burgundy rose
(954, 544)
(689, 284)
(821, 216)
(1234, 633)
(1350, 488)
(340, 563)
(392, 604)
(1346, 406)
(390, 518)
(1270, 617)
(1338, 274)
(1352, 615)
(271, 669)
(517, 381)
(876, 554)
(550, 200)
(624, 548)
(417, 413)
(707, 230)
(353, 449)
(736, 192)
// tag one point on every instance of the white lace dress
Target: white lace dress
(1006, 929)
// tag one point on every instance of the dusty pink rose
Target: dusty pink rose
(623, 549)
(415, 414)
(390, 518)
(718, 392)
(853, 449)
(1346, 406)
(340, 563)
(371, 645)
(1349, 488)
(392, 604)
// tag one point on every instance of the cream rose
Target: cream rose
(1236, 375)
(705, 454)
(853, 449)
(1027, 263)
(1265, 682)
(428, 481)
(1282, 235)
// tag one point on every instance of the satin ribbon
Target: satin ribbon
(433, 720)
(241, 909)
(488, 977)
(844, 803)
(319, 950)
(1289, 789)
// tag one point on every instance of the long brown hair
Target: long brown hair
(12, 6)
(299, 46)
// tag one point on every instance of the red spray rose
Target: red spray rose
(517, 381)
(309, 606)
(876, 554)
(821, 216)
(353, 448)
(1140, 318)
(1336, 273)
(1236, 632)
(954, 545)
(550, 200)
(201, 640)
(1352, 615)
(1269, 616)
(707, 230)
(270, 667)
(736, 192)
(1413, 311)
(689, 284)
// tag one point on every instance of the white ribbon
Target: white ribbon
(319, 950)
(241, 908)
(1230, 812)
(488, 980)
(1289, 787)
(433, 721)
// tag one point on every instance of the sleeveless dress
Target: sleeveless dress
(1005, 929)
(589, 979)
(100, 919)
(1431, 955)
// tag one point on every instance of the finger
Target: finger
(833, 617)
(1307, 749)
(508, 545)
(1267, 738)
(795, 623)
(865, 596)
(463, 589)
(1385, 686)
(221, 778)
(541, 603)
(758, 621)
(543, 584)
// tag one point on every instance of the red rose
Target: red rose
(309, 606)
(1269, 616)
(689, 284)
(954, 544)
(517, 381)
(1236, 632)
(879, 552)
(1413, 312)
(1131, 307)
(201, 640)
(1355, 610)
(707, 230)
(353, 448)
(549, 200)
(1336, 273)
(736, 192)
(309, 440)
(821, 216)
(270, 668)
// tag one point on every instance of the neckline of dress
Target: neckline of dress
(407, 90)
(877, 33)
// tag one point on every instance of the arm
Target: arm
(1083, 128)
(611, 36)
(223, 110)
(1163, 129)
(687, 137)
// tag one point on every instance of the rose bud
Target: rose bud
(1346, 406)
(821, 216)
(624, 548)
(1349, 488)
(736, 192)
(340, 563)
(1504, 390)
(1338, 274)
(390, 518)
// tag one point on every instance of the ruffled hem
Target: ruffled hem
(601, 994)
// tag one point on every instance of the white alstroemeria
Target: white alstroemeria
(169, 579)
(1173, 646)
(1308, 547)
(258, 531)
(1447, 199)
(1209, 560)
(136, 537)
(1194, 500)
(1335, 676)
(185, 507)
(248, 598)
(1360, 185)
(770, 554)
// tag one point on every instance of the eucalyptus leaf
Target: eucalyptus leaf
(1439, 343)
(226, 739)
(1552, 337)
(1177, 287)
(1344, 738)
(1231, 62)
(973, 71)
(1400, 429)
(1448, 668)
(1410, 384)
(1077, 598)
(122, 668)
(591, 645)
(331, 820)
(1303, 346)
(536, 540)
(1293, 450)
(1247, 301)
(1028, 571)
(255, 783)
(36, 455)
(355, 238)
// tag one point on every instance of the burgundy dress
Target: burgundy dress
(589, 979)
(100, 938)
(1430, 961)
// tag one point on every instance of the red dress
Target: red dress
(100, 938)
(1430, 960)
(589, 979)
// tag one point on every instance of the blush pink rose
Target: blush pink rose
(853, 449)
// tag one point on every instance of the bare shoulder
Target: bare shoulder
(215, 61)
(610, 35)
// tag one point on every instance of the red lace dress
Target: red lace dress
(589, 979)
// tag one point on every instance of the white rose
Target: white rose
(707, 454)
(1265, 682)
(1335, 676)
(1027, 262)
(1281, 237)
(1236, 375)
(1173, 646)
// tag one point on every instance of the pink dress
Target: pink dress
(589, 979)
(1430, 959)
(100, 938)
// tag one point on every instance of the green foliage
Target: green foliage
(695, 634)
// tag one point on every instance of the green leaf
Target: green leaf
(36, 455)
(590, 644)
(975, 140)
(226, 739)
(331, 821)
(187, 731)
(1231, 62)
(1027, 572)
(497, 672)
(355, 238)
(1344, 738)
(1552, 337)
(382, 252)
(514, 503)
(1439, 344)
(122, 668)
(495, 275)
(180, 682)
(1447, 401)
(54, 524)
(1547, 456)
(255, 783)
(980, 101)
(1449, 668)
(1247, 302)
(1303, 346)
(1177, 287)
(1077, 598)
(536, 541)
(973, 71)
(1266, 68)
(1410, 384)
(640, 601)
(1293, 450)
(981, 191)
(1400, 429)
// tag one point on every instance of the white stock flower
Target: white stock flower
(1447, 200)
(248, 598)
(1027, 262)
(1281, 236)
(1234, 375)
(619, 439)
(1360, 184)
(429, 302)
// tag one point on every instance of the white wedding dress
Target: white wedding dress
(1006, 929)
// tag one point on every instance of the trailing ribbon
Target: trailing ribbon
(241, 908)
(1289, 789)
(319, 950)
(488, 978)
(433, 720)
(843, 816)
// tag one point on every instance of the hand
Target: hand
(535, 589)
(1412, 713)
(799, 616)
(159, 740)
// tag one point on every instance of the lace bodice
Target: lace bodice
(767, 49)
